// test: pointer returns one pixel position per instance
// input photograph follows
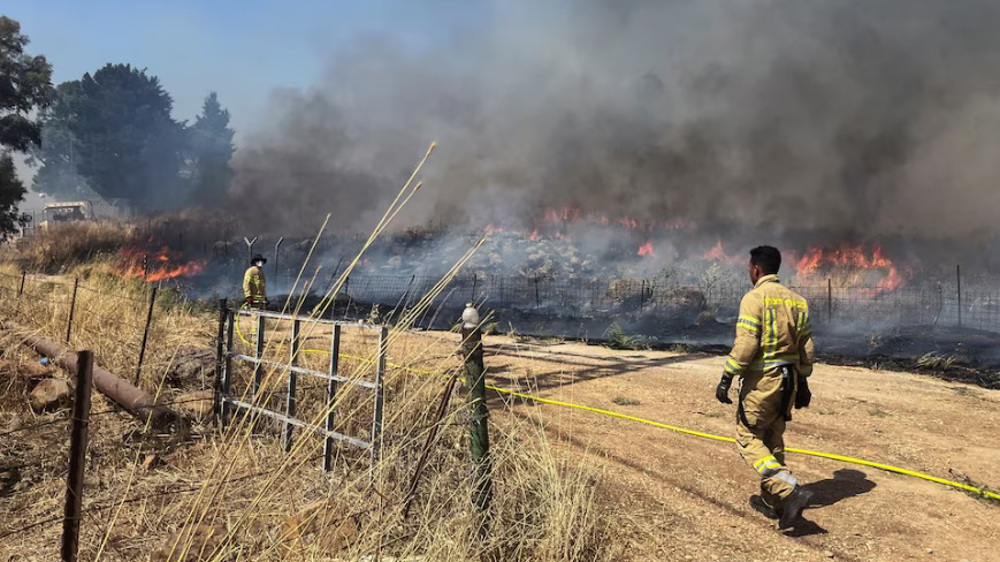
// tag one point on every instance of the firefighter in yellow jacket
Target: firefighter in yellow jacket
(254, 285)
(773, 357)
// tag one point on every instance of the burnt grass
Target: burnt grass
(949, 353)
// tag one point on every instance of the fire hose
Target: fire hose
(981, 492)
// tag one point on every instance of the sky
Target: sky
(243, 50)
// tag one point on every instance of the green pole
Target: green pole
(479, 436)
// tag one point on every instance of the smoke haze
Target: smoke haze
(866, 118)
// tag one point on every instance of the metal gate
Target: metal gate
(226, 401)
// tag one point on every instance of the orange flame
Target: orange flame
(852, 258)
(718, 253)
(647, 249)
(158, 267)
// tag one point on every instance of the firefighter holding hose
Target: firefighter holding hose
(254, 285)
(773, 358)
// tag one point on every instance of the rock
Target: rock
(200, 404)
(49, 395)
(828, 554)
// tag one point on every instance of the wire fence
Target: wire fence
(842, 308)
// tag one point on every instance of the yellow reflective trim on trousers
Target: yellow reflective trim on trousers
(764, 464)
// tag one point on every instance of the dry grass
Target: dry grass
(64, 246)
(234, 495)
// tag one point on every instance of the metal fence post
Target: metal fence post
(475, 379)
(72, 308)
(538, 301)
(331, 396)
(383, 344)
(292, 376)
(20, 290)
(277, 246)
(258, 370)
(227, 367)
(220, 343)
(829, 300)
(958, 279)
(145, 334)
(77, 457)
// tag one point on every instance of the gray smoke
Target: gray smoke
(862, 117)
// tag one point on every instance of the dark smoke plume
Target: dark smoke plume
(863, 117)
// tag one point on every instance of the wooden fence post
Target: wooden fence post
(72, 308)
(77, 457)
(829, 300)
(475, 379)
(145, 334)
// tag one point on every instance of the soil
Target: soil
(689, 496)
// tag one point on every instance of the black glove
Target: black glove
(802, 395)
(722, 391)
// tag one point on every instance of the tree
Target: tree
(128, 145)
(59, 151)
(211, 150)
(25, 86)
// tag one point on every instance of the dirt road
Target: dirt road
(689, 496)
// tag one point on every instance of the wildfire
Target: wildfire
(647, 249)
(852, 261)
(718, 253)
(158, 267)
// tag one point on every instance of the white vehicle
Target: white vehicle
(66, 211)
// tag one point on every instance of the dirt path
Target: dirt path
(689, 496)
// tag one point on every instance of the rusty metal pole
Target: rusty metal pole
(475, 380)
(77, 457)
(145, 334)
(72, 308)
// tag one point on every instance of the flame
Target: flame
(159, 266)
(534, 235)
(647, 249)
(718, 253)
(850, 261)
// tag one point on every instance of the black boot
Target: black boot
(762, 507)
(792, 506)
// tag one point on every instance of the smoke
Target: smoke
(865, 118)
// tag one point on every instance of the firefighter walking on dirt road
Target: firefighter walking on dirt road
(254, 285)
(773, 357)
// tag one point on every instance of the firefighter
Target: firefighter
(773, 357)
(254, 286)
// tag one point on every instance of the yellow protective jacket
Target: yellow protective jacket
(772, 330)
(254, 285)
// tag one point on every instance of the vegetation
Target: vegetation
(25, 87)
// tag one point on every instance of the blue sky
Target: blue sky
(241, 49)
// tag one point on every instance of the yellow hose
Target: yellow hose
(980, 492)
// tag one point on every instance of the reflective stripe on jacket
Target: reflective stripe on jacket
(772, 330)
(254, 284)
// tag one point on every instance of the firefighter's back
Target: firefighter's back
(784, 314)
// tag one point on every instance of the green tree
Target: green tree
(211, 150)
(59, 151)
(25, 86)
(128, 145)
